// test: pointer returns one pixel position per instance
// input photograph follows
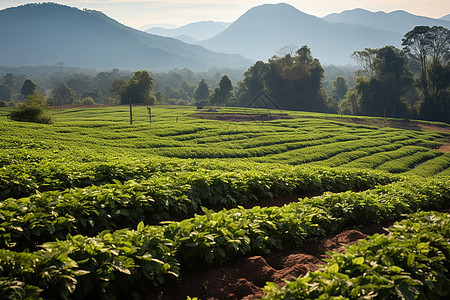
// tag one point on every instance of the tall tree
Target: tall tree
(288, 82)
(63, 94)
(5, 92)
(138, 89)
(429, 48)
(253, 83)
(202, 91)
(339, 88)
(28, 88)
(383, 94)
(223, 93)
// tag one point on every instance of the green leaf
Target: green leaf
(140, 226)
(334, 268)
(411, 258)
(358, 260)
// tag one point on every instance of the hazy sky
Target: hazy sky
(136, 13)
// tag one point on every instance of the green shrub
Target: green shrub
(88, 101)
(34, 110)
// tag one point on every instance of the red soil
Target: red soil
(445, 148)
(244, 278)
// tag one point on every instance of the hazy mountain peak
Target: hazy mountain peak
(399, 20)
(48, 33)
(193, 31)
(446, 18)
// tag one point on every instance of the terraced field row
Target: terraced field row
(301, 140)
(89, 206)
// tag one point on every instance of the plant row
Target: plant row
(433, 166)
(412, 262)
(46, 216)
(113, 264)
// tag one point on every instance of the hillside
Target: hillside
(264, 29)
(399, 21)
(198, 30)
(49, 33)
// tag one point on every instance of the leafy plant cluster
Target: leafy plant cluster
(409, 263)
(114, 263)
(107, 266)
(88, 210)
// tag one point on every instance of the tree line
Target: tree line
(413, 82)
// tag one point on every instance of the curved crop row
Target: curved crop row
(112, 264)
(411, 262)
(89, 210)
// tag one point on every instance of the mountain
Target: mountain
(163, 25)
(264, 29)
(48, 33)
(399, 21)
(445, 18)
(198, 31)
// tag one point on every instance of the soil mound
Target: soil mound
(245, 277)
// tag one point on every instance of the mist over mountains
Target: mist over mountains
(192, 32)
(399, 21)
(48, 33)
(261, 31)
(37, 34)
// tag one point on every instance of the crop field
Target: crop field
(92, 207)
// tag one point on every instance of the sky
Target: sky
(137, 13)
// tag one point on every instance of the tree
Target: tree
(339, 89)
(289, 82)
(253, 83)
(116, 87)
(364, 59)
(5, 92)
(429, 48)
(64, 95)
(28, 88)
(383, 93)
(94, 93)
(223, 93)
(297, 85)
(138, 89)
(189, 89)
(202, 91)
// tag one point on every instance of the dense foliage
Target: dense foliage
(88, 205)
(409, 263)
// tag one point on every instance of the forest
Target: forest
(413, 82)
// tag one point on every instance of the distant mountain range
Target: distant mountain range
(48, 33)
(399, 21)
(192, 32)
(263, 30)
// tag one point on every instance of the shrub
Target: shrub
(34, 110)
(88, 101)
